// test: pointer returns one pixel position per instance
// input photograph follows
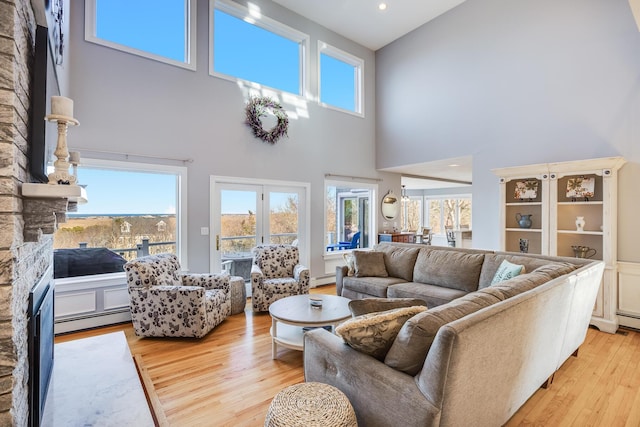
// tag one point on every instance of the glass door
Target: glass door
(246, 215)
(283, 208)
(238, 227)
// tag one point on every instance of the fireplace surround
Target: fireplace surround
(26, 244)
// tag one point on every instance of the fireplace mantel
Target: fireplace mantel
(46, 205)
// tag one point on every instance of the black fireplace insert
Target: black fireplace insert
(40, 325)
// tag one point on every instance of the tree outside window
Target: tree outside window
(411, 214)
(448, 213)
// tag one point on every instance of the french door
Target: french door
(245, 214)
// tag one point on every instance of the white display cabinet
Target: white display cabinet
(555, 195)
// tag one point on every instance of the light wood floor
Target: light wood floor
(228, 378)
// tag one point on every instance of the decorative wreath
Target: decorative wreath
(256, 108)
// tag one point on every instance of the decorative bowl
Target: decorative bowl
(315, 301)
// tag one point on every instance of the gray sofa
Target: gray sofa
(477, 354)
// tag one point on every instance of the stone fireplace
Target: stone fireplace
(24, 261)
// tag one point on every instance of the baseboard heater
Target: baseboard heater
(92, 320)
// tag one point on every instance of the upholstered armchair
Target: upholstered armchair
(167, 303)
(276, 273)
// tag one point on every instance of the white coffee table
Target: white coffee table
(289, 315)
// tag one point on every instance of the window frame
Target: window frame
(268, 24)
(181, 194)
(90, 35)
(348, 58)
(373, 212)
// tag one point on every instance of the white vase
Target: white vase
(580, 222)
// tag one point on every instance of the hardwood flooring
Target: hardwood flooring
(228, 378)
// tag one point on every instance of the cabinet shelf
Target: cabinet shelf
(590, 233)
(595, 202)
(526, 230)
(524, 203)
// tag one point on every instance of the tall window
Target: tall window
(340, 79)
(249, 46)
(448, 212)
(348, 210)
(163, 30)
(133, 210)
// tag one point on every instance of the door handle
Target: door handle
(217, 242)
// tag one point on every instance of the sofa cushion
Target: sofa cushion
(450, 269)
(431, 294)
(369, 264)
(411, 345)
(359, 307)
(506, 271)
(373, 286)
(374, 333)
(492, 290)
(399, 261)
(525, 282)
(522, 283)
(556, 269)
(493, 261)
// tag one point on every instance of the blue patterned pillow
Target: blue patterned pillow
(507, 271)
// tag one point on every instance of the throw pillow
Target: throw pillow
(374, 333)
(369, 264)
(507, 271)
(358, 307)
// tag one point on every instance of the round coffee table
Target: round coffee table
(291, 316)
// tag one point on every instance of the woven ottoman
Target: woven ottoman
(238, 294)
(310, 405)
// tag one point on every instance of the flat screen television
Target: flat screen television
(43, 86)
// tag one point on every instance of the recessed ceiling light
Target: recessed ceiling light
(382, 6)
(453, 165)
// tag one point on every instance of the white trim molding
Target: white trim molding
(629, 294)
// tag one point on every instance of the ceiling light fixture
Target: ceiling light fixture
(382, 6)
(404, 196)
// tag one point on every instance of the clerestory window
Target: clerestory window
(340, 79)
(251, 47)
(162, 30)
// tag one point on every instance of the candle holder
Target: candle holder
(61, 175)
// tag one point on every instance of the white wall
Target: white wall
(134, 105)
(515, 83)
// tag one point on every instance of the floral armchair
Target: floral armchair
(275, 274)
(167, 303)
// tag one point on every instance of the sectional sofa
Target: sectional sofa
(479, 351)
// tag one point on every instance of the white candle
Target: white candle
(74, 157)
(61, 106)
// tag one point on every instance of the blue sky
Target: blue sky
(241, 50)
(110, 192)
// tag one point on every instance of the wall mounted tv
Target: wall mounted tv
(43, 85)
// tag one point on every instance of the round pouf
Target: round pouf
(238, 294)
(310, 405)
